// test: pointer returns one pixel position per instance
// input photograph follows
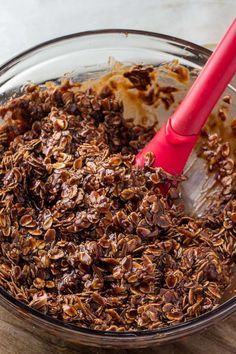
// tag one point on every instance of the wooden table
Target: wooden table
(14, 340)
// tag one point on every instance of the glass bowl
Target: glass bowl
(88, 55)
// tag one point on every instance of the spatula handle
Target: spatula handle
(174, 142)
(194, 110)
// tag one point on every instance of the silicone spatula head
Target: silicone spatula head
(174, 142)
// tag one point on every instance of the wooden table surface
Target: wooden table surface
(15, 340)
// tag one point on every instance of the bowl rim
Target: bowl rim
(192, 325)
(171, 39)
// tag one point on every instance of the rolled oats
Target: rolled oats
(86, 237)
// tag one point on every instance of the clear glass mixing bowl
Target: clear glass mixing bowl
(83, 56)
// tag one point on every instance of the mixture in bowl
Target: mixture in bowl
(86, 237)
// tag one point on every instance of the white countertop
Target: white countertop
(25, 23)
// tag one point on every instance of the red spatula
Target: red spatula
(174, 142)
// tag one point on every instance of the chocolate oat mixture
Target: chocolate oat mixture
(86, 237)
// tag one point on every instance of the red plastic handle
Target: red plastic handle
(194, 110)
(174, 142)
